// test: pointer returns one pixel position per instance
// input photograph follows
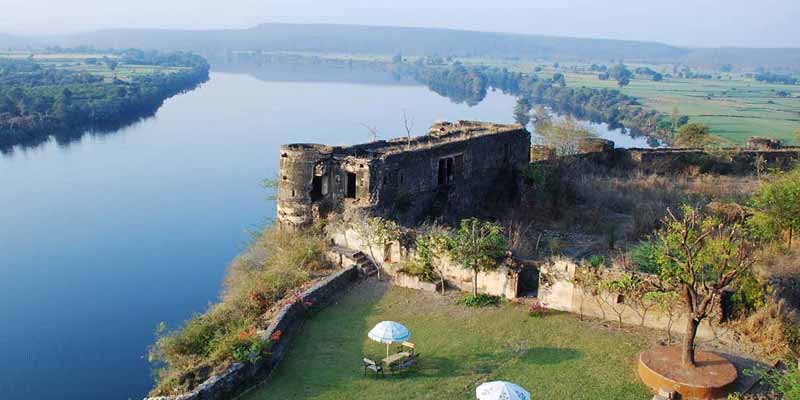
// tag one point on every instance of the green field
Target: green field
(735, 107)
(79, 62)
(555, 357)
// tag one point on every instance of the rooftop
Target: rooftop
(439, 133)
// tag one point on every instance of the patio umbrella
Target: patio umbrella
(501, 390)
(389, 332)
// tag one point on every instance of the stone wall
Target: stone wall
(730, 161)
(500, 282)
(556, 291)
(457, 167)
(289, 320)
(760, 155)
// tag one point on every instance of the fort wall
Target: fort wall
(760, 155)
(456, 167)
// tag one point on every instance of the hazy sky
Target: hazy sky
(763, 23)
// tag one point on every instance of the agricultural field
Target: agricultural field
(93, 64)
(734, 107)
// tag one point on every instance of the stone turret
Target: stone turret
(296, 187)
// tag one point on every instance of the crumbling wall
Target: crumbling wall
(500, 282)
(556, 291)
(761, 155)
(455, 169)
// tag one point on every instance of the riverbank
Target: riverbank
(65, 95)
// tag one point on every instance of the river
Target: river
(109, 235)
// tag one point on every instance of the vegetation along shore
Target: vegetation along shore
(63, 93)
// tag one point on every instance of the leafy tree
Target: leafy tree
(777, 205)
(693, 135)
(616, 291)
(522, 111)
(700, 257)
(563, 136)
(478, 245)
(669, 303)
(588, 278)
(432, 250)
(558, 79)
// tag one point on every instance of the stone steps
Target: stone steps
(366, 267)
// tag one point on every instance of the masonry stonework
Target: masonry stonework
(455, 167)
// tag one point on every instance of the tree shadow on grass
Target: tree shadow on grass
(550, 355)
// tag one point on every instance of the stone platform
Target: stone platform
(661, 368)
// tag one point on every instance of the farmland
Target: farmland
(732, 104)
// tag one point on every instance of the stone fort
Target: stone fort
(463, 168)
(455, 166)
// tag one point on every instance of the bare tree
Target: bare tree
(373, 132)
(408, 124)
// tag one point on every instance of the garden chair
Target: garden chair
(407, 347)
(372, 366)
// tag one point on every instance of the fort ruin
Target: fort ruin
(454, 167)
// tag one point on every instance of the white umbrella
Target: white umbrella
(501, 390)
(389, 332)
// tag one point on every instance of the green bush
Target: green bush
(785, 382)
(479, 300)
(645, 256)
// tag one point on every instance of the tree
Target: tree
(699, 257)
(432, 250)
(674, 116)
(478, 246)
(376, 232)
(668, 303)
(587, 278)
(777, 205)
(558, 79)
(522, 111)
(563, 136)
(616, 291)
(693, 135)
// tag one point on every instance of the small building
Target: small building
(456, 167)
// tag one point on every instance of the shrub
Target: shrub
(693, 135)
(784, 381)
(538, 310)
(645, 257)
(479, 300)
(276, 264)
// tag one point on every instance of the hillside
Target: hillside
(360, 39)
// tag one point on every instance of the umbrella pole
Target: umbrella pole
(387, 349)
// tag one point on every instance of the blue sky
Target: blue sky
(762, 23)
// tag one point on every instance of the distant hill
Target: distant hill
(427, 41)
(14, 42)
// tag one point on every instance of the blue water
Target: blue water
(104, 238)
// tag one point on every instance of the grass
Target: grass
(554, 357)
(277, 264)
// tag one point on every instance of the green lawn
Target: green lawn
(555, 357)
